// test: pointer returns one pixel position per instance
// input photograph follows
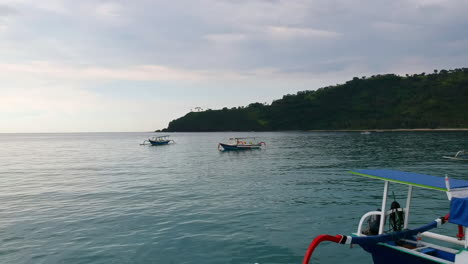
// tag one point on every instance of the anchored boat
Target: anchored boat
(460, 155)
(403, 245)
(157, 141)
(243, 143)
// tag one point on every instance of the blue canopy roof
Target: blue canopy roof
(415, 179)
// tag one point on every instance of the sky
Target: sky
(105, 66)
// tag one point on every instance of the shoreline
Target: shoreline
(333, 130)
(393, 130)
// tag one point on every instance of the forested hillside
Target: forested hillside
(436, 100)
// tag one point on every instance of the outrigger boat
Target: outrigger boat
(157, 141)
(460, 155)
(243, 143)
(403, 245)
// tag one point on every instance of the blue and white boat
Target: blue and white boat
(403, 245)
(244, 143)
(159, 140)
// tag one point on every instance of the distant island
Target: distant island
(389, 101)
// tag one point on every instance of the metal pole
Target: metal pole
(408, 203)
(384, 204)
(466, 239)
(443, 238)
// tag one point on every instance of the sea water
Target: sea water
(103, 198)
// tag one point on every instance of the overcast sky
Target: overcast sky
(71, 66)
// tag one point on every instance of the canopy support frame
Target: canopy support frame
(408, 203)
(384, 204)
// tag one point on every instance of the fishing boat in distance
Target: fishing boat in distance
(460, 155)
(159, 140)
(399, 244)
(243, 143)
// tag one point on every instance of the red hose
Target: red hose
(316, 242)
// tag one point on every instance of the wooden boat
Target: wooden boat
(244, 143)
(159, 140)
(460, 155)
(403, 245)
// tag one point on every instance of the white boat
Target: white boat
(460, 155)
(400, 244)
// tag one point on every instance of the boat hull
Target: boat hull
(386, 253)
(240, 147)
(159, 142)
(463, 158)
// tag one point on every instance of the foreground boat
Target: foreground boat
(157, 141)
(460, 155)
(244, 143)
(403, 245)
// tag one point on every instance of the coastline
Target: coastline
(393, 130)
(333, 130)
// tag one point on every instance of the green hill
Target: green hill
(437, 100)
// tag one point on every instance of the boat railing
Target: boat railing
(461, 242)
(363, 218)
(163, 138)
(371, 213)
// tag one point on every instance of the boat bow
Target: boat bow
(370, 240)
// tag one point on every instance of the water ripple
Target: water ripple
(103, 198)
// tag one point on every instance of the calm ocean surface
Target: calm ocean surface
(103, 198)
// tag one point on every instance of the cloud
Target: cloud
(63, 71)
(44, 70)
(108, 10)
(392, 27)
(6, 14)
(281, 32)
(227, 35)
(7, 10)
(226, 38)
(429, 2)
(66, 51)
(49, 6)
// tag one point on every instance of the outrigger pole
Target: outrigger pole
(369, 240)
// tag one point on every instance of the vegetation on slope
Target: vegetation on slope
(437, 100)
